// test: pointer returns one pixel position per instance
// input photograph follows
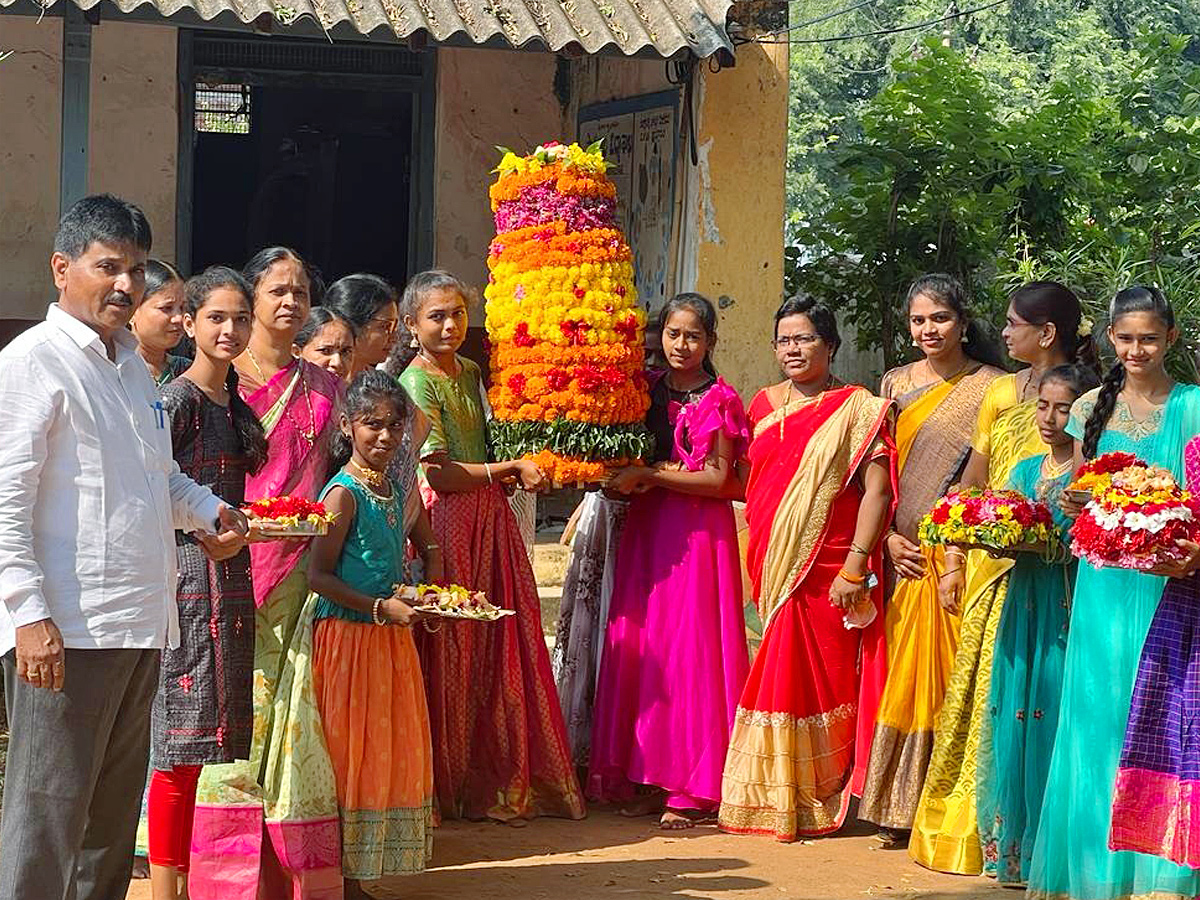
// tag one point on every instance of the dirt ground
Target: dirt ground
(606, 857)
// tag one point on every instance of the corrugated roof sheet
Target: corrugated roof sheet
(631, 26)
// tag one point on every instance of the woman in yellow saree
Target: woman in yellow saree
(819, 495)
(1042, 329)
(939, 398)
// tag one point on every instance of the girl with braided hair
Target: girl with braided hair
(1138, 409)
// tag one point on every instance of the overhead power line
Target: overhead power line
(900, 29)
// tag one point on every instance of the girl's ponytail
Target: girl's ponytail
(1106, 402)
(252, 439)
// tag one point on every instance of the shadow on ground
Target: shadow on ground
(579, 880)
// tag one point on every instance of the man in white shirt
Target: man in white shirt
(90, 497)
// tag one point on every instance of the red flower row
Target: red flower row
(285, 507)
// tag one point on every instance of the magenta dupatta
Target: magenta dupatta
(296, 465)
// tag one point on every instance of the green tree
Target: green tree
(1094, 180)
(1020, 47)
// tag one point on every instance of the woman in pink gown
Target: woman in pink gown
(675, 658)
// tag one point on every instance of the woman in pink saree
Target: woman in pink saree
(268, 826)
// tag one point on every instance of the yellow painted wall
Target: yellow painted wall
(733, 246)
(132, 131)
(134, 122)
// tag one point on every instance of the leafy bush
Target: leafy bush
(1096, 183)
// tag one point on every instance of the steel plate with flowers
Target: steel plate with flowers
(450, 601)
(283, 518)
(992, 520)
(1135, 516)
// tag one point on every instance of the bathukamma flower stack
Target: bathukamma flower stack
(563, 320)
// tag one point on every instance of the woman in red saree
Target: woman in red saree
(820, 493)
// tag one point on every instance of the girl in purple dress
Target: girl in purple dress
(1156, 802)
(675, 658)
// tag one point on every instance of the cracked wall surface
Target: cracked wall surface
(733, 250)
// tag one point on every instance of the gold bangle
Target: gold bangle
(853, 579)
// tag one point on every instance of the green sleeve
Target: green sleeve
(421, 391)
(1081, 409)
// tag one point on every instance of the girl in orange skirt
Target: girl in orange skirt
(365, 667)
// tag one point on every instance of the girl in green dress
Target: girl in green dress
(1140, 410)
(365, 670)
(500, 747)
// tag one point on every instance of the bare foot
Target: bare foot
(674, 821)
(642, 805)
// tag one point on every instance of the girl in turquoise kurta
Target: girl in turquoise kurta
(1031, 642)
(1139, 410)
(366, 674)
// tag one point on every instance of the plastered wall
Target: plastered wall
(132, 134)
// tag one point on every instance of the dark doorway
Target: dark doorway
(326, 171)
(325, 147)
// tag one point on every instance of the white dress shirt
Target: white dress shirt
(90, 495)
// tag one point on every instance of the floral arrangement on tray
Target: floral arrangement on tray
(563, 322)
(450, 601)
(274, 517)
(1134, 518)
(1096, 475)
(988, 519)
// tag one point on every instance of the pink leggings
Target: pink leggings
(172, 805)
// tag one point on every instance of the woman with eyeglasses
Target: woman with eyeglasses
(371, 306)
(820, 494)
(939, 396)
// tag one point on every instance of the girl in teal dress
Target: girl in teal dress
(366, 674)
(1138, 409)
(1031, 643)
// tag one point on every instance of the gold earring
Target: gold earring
(414, 343)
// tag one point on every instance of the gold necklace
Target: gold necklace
(1051, 469)
(375, 481)
(936, 377)
(309, 433)
(787, 403)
